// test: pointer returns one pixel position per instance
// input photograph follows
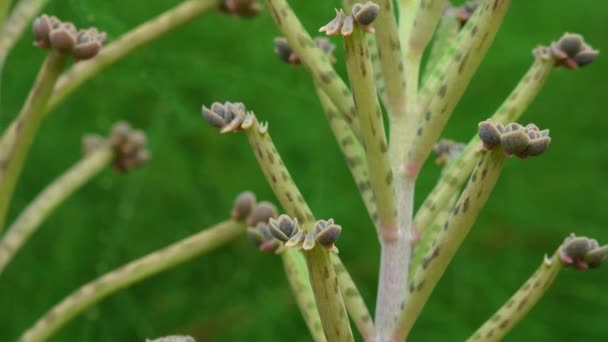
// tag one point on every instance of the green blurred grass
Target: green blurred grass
(236, 293)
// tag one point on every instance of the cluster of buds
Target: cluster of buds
(465, 11)
(447, 150)
(287, 55)
(582, 252)
(129, 146)
(240, 8)
(227, 117)
(50, 32)
(572, 52)
(288, 231)
(361, 14)
(258, 231)
(514, 138)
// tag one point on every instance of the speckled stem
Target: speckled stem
(50, 198)
(446, 32)
(356, 307)
(391, 58)
(13, 153)
(315, 60)
(19, 19)
(128, 42)
(455, 70)
(455, 229)
(321, 271)
(129, 274)
(425, 241)
(297, 275)
(372, 128)
(457, 172)
(427, 17)
(520, 303)
(353, 153)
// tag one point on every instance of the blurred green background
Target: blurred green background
(237, 293)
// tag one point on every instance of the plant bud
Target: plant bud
(243, 205)
(365, 14)
(262, 212)
(63, 37)
(88, 44)
(228, 117)
(596, 256)
(335, 25)
(489, 134)
(283, 228)
(309, 241)
(348, 26)
(514, 142)
(327, 233)
(296, 240)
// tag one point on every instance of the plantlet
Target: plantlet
(387, 81)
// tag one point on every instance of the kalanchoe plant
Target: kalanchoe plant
(383, 54)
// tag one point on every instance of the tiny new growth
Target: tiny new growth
(387, 115)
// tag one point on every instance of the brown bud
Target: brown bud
(228, 117)
(327, 233)
(42, 27)
(514, 142)
(283, 228)
(262, 212)
(365, 14)
(63, 37)
(88, 44)
(240, 8)
(243, 205)
(489, 134)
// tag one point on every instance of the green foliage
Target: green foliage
(236, 293)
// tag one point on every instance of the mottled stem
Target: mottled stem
(455, 229)
(13, 153)
(131, 273)
(352, 151)
(454, 73)
(50, 198)
(457, 172)
(20, 17)
(372, 128)
(391, 58)
(297, 275)
(356, 307)
(520, 303)
(128, 42)
(315, 60)
(446, 32)
(321, 271)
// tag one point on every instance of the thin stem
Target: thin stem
(355, 305)
(297, 275)
(455, 229)
(315, 60)
(125, 44)
(372, 129)
(21, 17)
(446, 32)
(352, 151)
(520, 303)
(391, 58)
(13, 153)
(321, 271)
(50, 198)
(4, 6)
(456, 69)
(457, 172)
(131, 273)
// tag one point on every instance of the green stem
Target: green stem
(455, 229)
(128, 42)
(131, 273)
(321, 271)
(4, 6)
(457, 172)
(446, 32)
(315, 60)
(355, 305)
(372, 128)
(352, 151)
(50, 198)
(456, 69)
(391, 58)
(21, 17)
(12, 154)
(520, 303)
(297, 275)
